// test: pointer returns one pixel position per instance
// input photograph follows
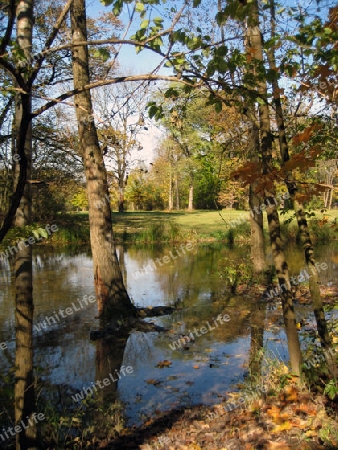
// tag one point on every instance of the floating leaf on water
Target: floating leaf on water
(152, 381)
(164, 363)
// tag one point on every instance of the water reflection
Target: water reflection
(201, 372)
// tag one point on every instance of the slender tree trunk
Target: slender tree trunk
(24, 378)
(112, 297)
(256, 214)
(257, 234)
(255, 42)
(171, 197)
(191, 197)
(177, 192)
(256, 344)
(330, 198)
(121, 196)
(298, 207)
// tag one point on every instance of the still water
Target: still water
(162, 376)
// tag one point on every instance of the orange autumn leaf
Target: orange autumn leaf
(273, 412)
(152, 381)
(304, 408)
(164, 363)
(291, 393)
(306, 134)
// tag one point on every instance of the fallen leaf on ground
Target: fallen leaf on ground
(284, 426)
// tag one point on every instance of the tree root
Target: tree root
(123, 327)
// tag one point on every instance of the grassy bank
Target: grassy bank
(179, 226)
(227, 225)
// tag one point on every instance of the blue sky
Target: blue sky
(133, 63)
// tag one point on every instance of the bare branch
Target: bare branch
(147, 77)
(50, 39)
(11, 17)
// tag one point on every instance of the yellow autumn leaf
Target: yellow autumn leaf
(283, 427)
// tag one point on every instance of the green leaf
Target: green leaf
(106, 2)
(155, 111)
(144, 23)
(118, 6)
(158, 21)
(196, 3)
(102, 53)
(152, 111)
(218, 106)
(139, 7)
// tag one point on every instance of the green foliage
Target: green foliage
(80, 200)
(235, 272)
(159, 232)
(331, 389)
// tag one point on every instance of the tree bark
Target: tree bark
(121, 196)
(256, 218)
(298, 207)
(257, 234)
(255, 43)
(177, 192)
(112, 297)
(24, 379)
(171, 197)
(191, 197)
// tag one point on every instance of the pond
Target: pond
(163, 372)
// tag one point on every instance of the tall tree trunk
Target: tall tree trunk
(298, 207)
(112, 297)
(191, 197)
(171, 196)
(24, 380)
(256, 344)
(109, 359)
(255, 42)
(256, 215)
(121, 196)
(177, 192)
(257, 234)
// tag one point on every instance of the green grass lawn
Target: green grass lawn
(199, 221)
(158, 226)
(203, 224)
